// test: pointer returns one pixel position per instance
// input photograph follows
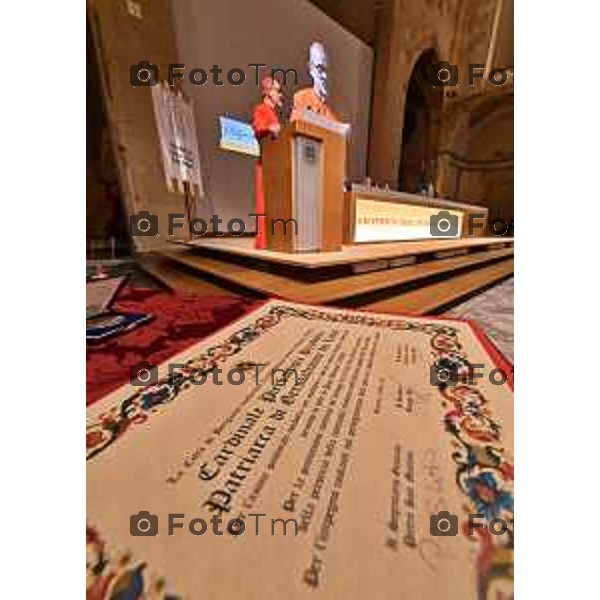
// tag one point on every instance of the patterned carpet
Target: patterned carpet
(493, 311)
(180, 320)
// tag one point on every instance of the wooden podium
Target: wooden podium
(303, 178)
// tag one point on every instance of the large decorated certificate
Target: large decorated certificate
(306, 452)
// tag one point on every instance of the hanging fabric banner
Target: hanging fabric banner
(177, 137)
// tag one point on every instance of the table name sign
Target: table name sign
(383, 215)
(384, 221)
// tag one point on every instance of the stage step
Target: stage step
(431, 298)
(161, 269)
(242, 251)
(330, 291)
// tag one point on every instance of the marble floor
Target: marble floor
(493, 310)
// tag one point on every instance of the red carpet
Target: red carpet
(179, 321)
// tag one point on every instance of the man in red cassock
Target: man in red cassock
(265, 122)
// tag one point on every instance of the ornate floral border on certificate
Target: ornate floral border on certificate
(485, 471)
(113, 575)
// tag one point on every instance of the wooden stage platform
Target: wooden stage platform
(412, 277)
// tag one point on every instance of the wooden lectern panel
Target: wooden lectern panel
(279, 185)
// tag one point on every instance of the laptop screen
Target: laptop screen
(99, 294)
